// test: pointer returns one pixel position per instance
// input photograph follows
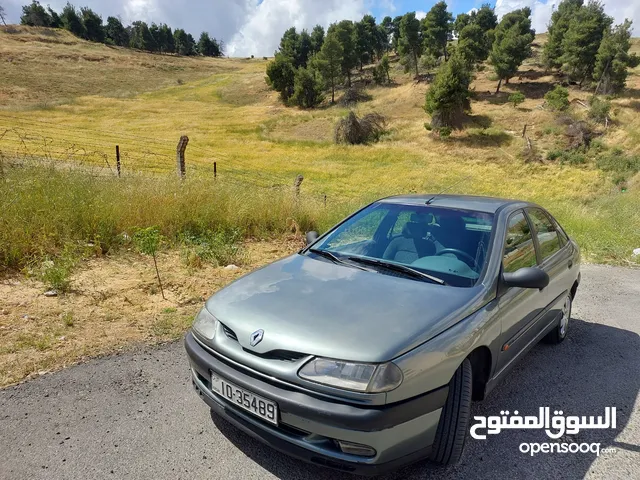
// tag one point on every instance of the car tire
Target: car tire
(559, 332)
(454, 420)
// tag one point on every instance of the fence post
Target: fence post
(215, 170)
(180, 149)
(297, 183)
(118, 159)
(325, 201)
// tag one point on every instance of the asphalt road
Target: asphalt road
(135, 415)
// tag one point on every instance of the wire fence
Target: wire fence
(123, 153)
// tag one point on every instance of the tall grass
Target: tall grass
(44, 209)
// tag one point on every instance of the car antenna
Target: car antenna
(428, 202)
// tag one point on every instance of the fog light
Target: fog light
(356, 449)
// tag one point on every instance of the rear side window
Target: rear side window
(519, 251)
(545, 230)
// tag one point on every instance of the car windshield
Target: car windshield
(450, 244)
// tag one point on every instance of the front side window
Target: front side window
(444, 242)
(519, 251)
(545, 230)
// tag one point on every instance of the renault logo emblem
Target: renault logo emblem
(256, 337)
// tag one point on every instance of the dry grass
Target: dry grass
(114, 303)
(231, 118)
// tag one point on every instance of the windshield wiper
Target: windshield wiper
(335, 258)
(398, 268)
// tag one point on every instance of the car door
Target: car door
(519, 308)
(555, 258)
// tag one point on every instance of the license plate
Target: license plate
(261, 407)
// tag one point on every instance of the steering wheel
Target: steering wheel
(460, 253)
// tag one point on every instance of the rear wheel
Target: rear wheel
(559, 333)
(454, 419)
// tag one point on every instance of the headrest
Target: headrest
(415, 229)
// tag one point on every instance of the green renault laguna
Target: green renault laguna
(363, 351)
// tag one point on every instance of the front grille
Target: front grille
(283, 355)
(229, 333)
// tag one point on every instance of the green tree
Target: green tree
(381, 72)
(462, 20)
(166, 42)
(410, 42)
(516, 99)
(329, 62)
(140, 36)
(35, 15)
(558, 98)
(94, 30)
(613, 59)
(345, 34)
(147, 241)
(308, 87)
(281, 75)
(54, 21)
(485, 17)
(116, 33)
(512, 44)
(155, 43)
(395, 32)
(436, 30)
(448, 97)
(304, 49)
(208, 46)
(289, 44)
(72, 21)
(184, 42)
(582, 39)
(472, 44)
(317, 39)
(558, 26)
(381, 41)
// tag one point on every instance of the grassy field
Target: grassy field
(66, 221)
(55, 103)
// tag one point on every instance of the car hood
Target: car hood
(317, 307)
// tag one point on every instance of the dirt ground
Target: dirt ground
(114, 303)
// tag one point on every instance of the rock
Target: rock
(231, 267)
(636, 252)
(51, 293)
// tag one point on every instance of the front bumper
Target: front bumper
(401, 433)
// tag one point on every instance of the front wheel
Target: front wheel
(454, 419)
(559, 333)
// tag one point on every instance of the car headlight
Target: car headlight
(205, 324)
(361, 377)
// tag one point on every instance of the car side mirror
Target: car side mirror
(311, 237)
(528, 277)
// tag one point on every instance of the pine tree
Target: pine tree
(115, 32)
(329, 62)
(317, 38)
(582, 39)
(344, 32)
(448, 97)
(512, 44)
(558, 26)
(308, 87)
(436, 30)
(613, 59)
(92, 22)
(410, 42)
(281, 75)
(472, 45)
(72, 21)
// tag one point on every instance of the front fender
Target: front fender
(432, 364)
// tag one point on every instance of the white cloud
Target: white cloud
(541, 11)
(420, 14)
(266, 23)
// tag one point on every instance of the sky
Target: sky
(254, 27)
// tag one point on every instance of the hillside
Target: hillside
(71, 92)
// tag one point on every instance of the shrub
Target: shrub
(558, 98)
(599, 109)
(445, 132)
(220, 247)
(353, 130)
(427, 126)
(353, 95)
(56, 274)
(554, 154)
(616, 161)
(147, 240)
(516, 99)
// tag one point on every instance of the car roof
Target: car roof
(466, 202)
